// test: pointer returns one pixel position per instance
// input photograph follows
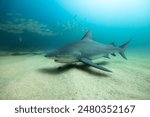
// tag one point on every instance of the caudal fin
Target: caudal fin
(123, 48)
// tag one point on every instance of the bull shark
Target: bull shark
(86, 50)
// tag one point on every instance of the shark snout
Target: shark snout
(51, 54)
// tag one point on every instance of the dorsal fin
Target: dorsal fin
(88, 35)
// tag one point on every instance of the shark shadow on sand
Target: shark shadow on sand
(82, 67)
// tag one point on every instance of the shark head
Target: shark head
(63, 56)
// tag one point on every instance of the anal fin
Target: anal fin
(89, 62)
(107, 56)
(113, 54)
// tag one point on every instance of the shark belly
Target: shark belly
(96, 56)
(65, 60)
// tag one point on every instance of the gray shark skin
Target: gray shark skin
(86, 50)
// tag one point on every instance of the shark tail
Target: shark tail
(123, 48)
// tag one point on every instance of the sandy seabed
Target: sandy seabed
(36, 77)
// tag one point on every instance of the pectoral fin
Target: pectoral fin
(89, 62)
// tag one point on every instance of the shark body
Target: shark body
(86, 50)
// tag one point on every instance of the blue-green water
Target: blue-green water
(33, 27)
(44, 24)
